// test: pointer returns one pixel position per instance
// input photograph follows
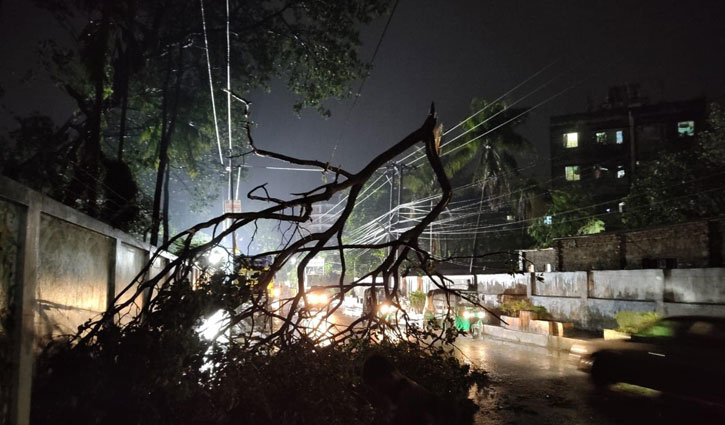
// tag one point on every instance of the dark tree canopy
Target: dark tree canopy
(138, 73)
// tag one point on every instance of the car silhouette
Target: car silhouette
(683, 355)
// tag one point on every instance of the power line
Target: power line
(488, 105)
(372, 59)
(211, 83)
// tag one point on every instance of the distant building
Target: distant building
(324, 215)
(601, 150)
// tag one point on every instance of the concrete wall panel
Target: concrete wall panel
(695, 286)
(503, 284)
(72, 276)
(682, 309)
(11, 219)
(600, 313)
(561, 284)
(129, 262)
(636, 285)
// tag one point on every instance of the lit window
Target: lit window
(686, 128)
(621, 207)
(510, 218)
(620, 137)
(601, 137)
(572, 172)
(620, 174)
(571, 140)
(547, 219)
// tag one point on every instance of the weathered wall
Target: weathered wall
(129, 262)
(63, 268)
(561, 284)
(686, 242)
(10, 224)
(73, 276)
(592, 299)
(635, 285)
(592, 252)
(503, 284)
(695, 286)
(691, 245)
(540, 259)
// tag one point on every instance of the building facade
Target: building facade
(601, 150)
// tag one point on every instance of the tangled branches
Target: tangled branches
(186, 343)
(251, 314)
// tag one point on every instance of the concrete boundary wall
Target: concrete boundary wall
(561, 284)
(58, 268)
(591, 299)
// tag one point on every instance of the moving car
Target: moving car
(682, 355)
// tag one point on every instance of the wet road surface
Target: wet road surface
(533, 385)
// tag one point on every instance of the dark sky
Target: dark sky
(450, 51)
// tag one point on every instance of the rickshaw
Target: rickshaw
(441, 304)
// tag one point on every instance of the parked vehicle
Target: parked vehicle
(322, 297)
(681, 355)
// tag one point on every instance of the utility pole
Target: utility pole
(229, 131)
(430, 232)
(474, 252)
(395, 168)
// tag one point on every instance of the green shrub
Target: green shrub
(633, 321)
(512, 307)
(417, 301)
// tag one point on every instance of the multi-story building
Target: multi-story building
(602, 149)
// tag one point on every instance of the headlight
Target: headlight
(467, 314)
(481, 314)
(579, 350)
(275, 292)
(385, 308)
(316, 298)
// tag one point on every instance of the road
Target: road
(532, 385)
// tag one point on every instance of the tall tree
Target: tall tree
(680, 186)
(571, 213)
(138, 72)
(486, 156)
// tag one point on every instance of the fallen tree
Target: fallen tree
(268, 360)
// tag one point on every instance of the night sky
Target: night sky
(449, 52)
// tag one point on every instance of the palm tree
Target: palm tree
(487, 151)
(484, 153)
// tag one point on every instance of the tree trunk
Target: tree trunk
(122, 124)
(167, 129)
(165, 215)
(163, 158)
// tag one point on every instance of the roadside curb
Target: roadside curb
(551, 342)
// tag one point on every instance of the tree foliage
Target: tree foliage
(571, 213)
(684, 185)
(138, 74)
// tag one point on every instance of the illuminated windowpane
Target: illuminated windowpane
(547, 219)
(601, 137)
(620, 174)
(572, 172)
(620, 137)
(621, 207)
(686, 128)
(571, 140)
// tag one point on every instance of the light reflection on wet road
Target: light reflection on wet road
(532, 385)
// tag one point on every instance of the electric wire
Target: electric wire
(211, 83)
